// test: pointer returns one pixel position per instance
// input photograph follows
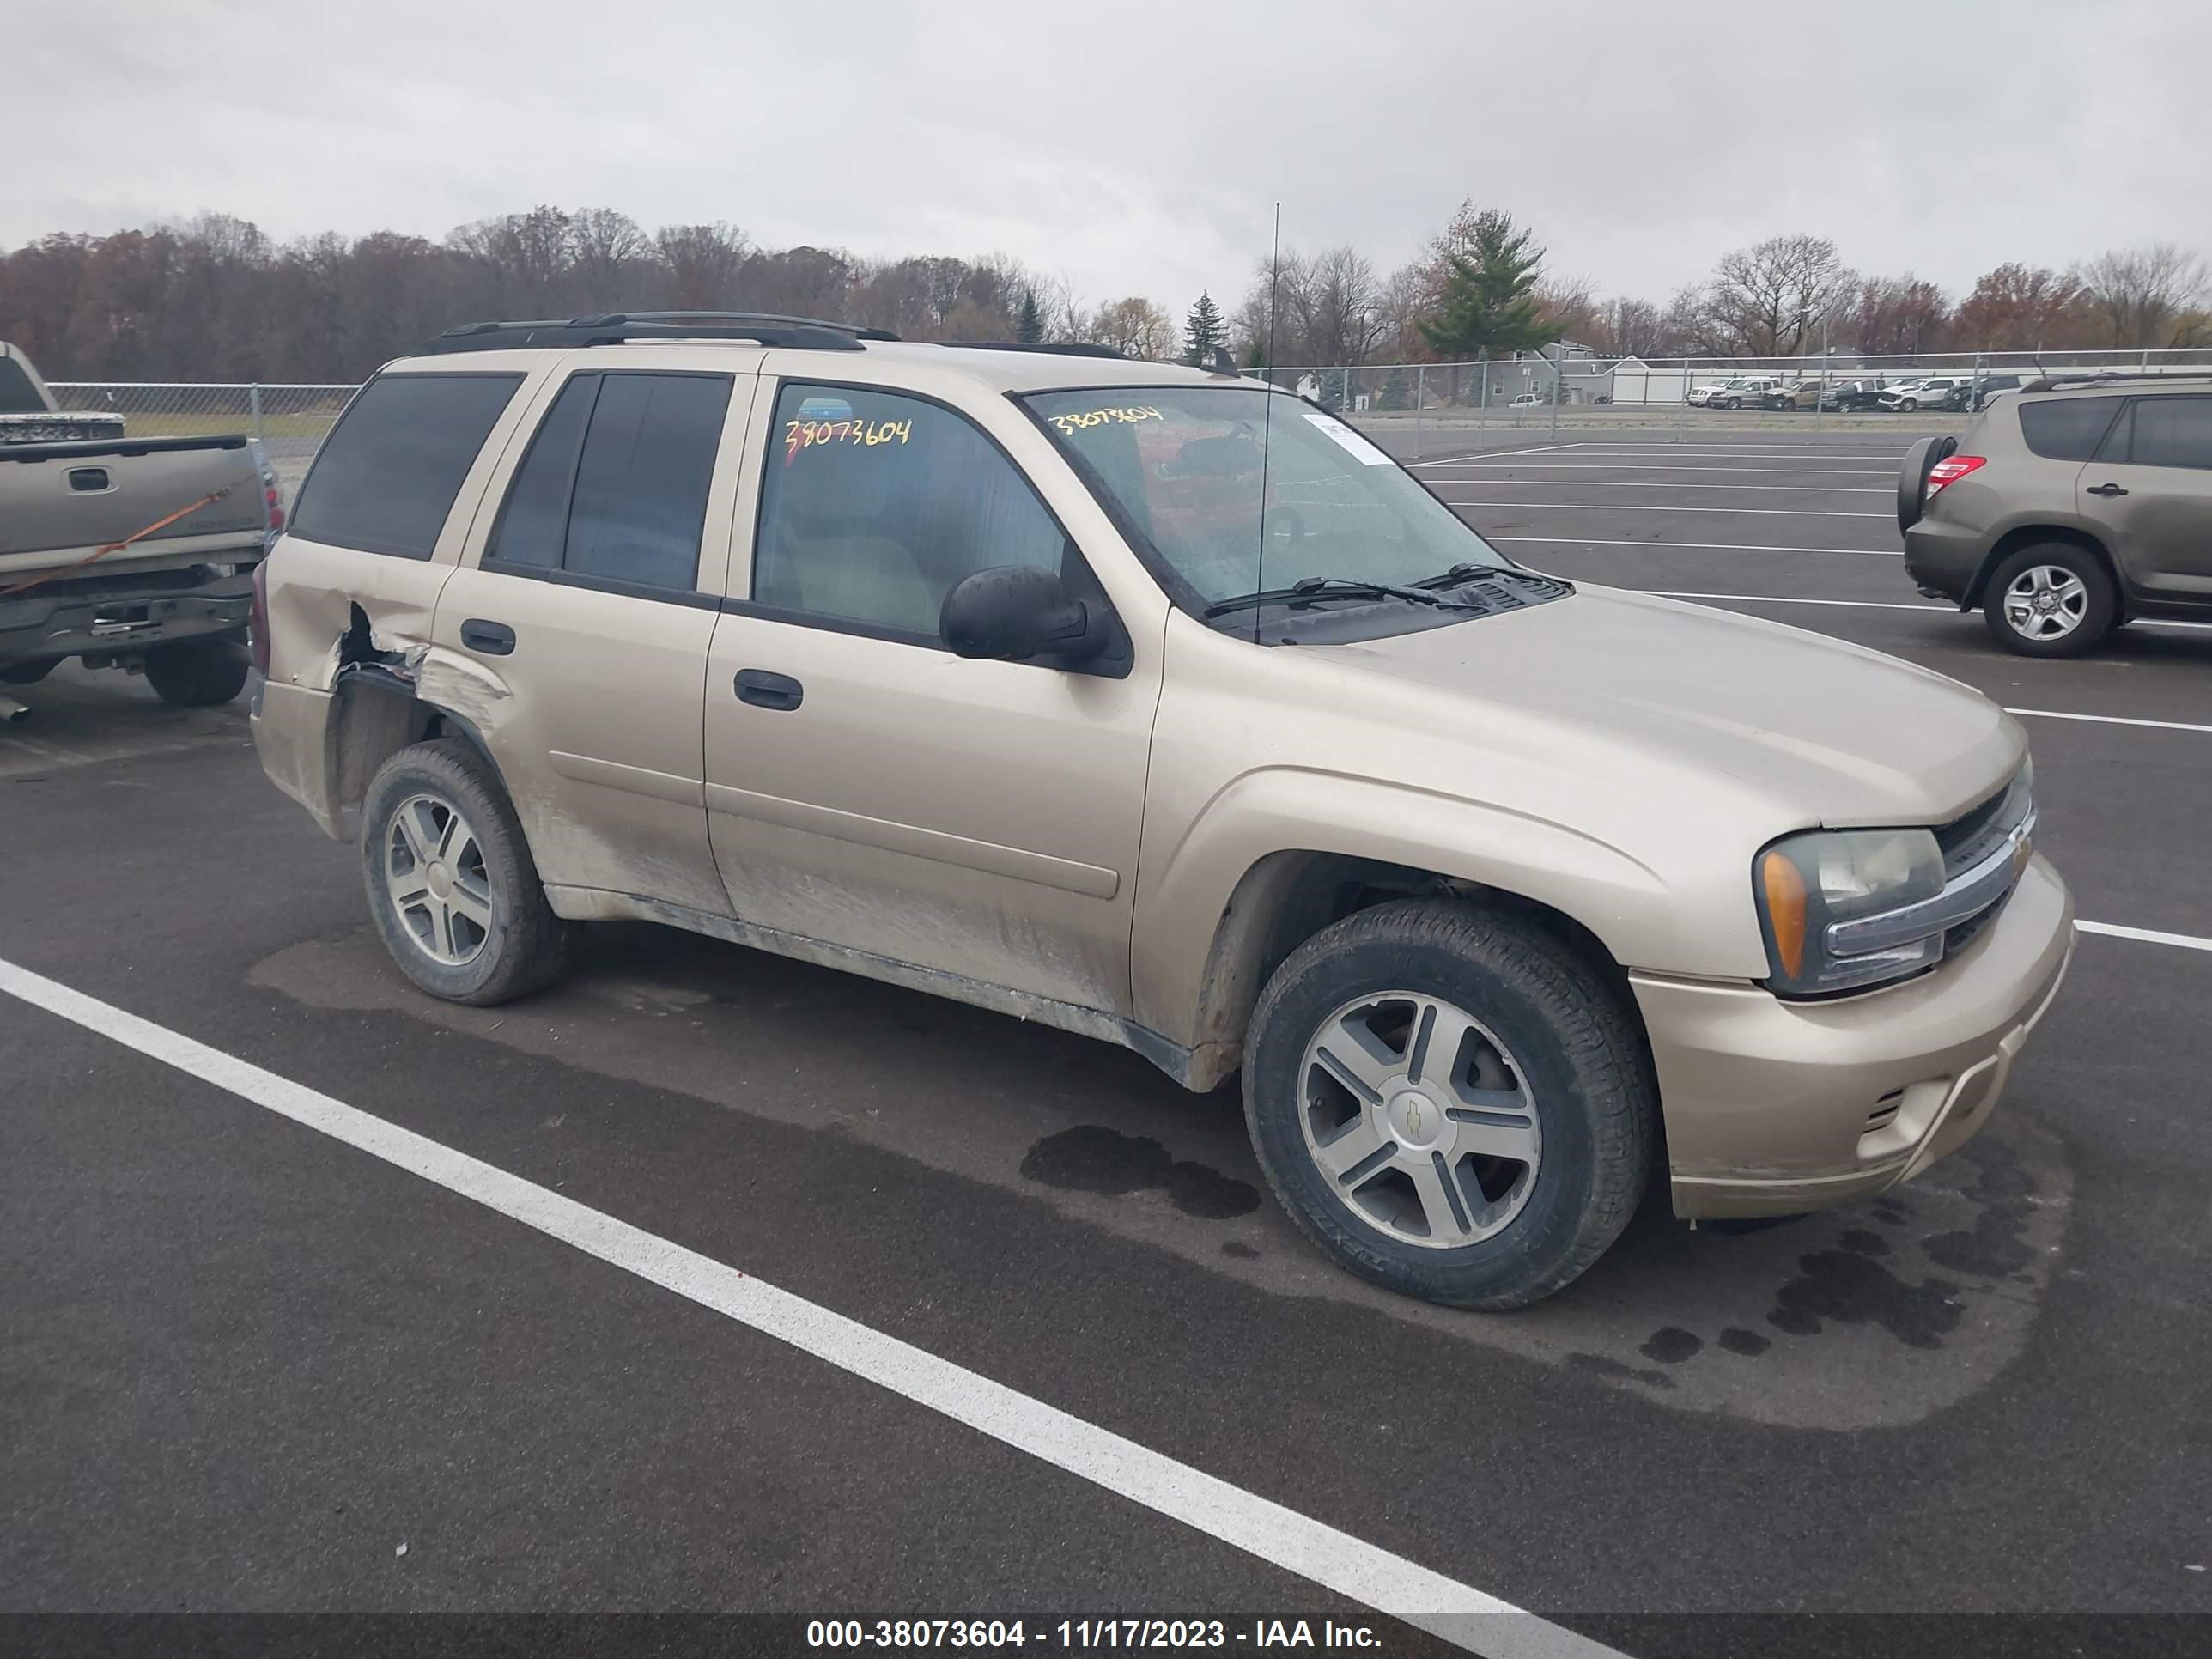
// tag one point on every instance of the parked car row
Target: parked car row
(1944, 391)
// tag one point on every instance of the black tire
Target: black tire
(27, 673)
(2100, 608)
(197, 673)
(1581, 1061)
(1732, 402)
(526, 947)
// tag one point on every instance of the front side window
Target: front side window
(875, 506)
(2171, 432)
(614, 486)
(386, 477)
(1235, 489)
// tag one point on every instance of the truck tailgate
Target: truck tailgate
(59, 501)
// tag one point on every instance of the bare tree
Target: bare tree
(2017, 307)
(1570, 304)
(1767, 300)
(1135, 327)
(1338, 303)
(606, 246)
(2147, 296)
(1632, 328)
(1404, 300)
(701, 265)
(1895, 315)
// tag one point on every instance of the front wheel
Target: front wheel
(1732, 402)
(1451, 1103)
(2053, 599)
(1908, 405)
(451, 887)
(197, 673)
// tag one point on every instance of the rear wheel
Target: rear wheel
(451, 886)
(2053, 599)
(1449, 1103)
(195, 673)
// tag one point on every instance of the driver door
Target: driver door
(868, 788)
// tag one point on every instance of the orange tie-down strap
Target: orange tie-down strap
(117, 547)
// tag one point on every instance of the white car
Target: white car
(1529, 400)
(1922, 394)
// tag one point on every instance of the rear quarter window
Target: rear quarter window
(2066, 429)
(386, 477)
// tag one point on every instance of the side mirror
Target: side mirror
(1012, 612)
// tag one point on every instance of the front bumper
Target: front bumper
(1776, 1108)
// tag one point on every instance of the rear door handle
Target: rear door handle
(490, 639)
(2106, 489)
(765, 691)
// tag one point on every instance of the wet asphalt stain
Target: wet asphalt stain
(1092, 1159)
(1859, 1241)
(1670, 1345)
(1851, 1289)
(1241, 1250)
(1888, 1211)
(1995, 1246)
(1750, 1344)
(1598, 1365)
(1992, 1249)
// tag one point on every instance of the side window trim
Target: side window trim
(2115, 448)
(699, 596)
(762, 454)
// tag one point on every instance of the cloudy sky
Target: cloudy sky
(1138, 147)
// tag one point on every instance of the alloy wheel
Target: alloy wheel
(2045, 602)
(1419, 1119)
(434, 871)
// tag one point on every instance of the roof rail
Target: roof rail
(2063, 382)
(612, 328)
(1068, 349)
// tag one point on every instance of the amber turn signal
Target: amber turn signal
(1785, 908)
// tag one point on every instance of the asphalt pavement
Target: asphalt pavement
(243, 1363)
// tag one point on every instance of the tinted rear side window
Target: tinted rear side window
(2171, 432)
(386, 475)
(2067, 430)
(640, 497)
(535, 522)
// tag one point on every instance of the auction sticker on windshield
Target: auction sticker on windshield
(1368, 454)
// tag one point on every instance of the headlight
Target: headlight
(1806, 884)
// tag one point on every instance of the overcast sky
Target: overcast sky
(1138, 147)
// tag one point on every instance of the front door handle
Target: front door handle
(765, 691)
(2106, 489)
(490, 639)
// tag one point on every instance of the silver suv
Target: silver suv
(2068, 508)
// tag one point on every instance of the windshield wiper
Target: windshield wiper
(1321, 587)
(1463, 573)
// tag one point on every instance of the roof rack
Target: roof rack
(612, 328)
(2062, 382)
(1070, 349)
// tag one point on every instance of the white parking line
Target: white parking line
(1600, 467)
(1282, 1537)
(1630, 484)
(2144, 935)
(1731, 547)
(2110, 720)
(1656, 507)
(1539, 449)
(1871, 604)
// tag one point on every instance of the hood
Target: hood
(1833, 733)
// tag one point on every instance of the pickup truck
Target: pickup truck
(132, 553)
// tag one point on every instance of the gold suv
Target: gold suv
(1160, 705)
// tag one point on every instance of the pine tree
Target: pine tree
(1029, 325)
(1203, 332)
(1488, 307)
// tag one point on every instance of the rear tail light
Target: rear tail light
(275, 508)
(1951, 469)
(258, 619)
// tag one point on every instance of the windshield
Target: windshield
(1181, 467)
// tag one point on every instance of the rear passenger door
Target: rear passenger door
(2149, 488)
(584, 621)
